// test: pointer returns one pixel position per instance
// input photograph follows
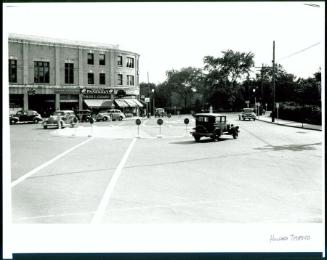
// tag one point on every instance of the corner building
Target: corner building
(50, 74)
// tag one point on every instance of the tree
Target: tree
(185, 83)
(224, 75)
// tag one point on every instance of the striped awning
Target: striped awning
(138, 102)
(96, 103)
(128, 102)
(121, 103)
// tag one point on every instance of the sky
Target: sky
(176, 35)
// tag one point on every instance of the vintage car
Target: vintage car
(212, 125)
(160, 112)
(116, 114)
(103, 116)
(61, 118)
(247, 113)
(29, 116)
(83, 115)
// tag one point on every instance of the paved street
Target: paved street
(104, 174)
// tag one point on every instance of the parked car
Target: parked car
(247, 113)
(103, 116)
(83, 115)
(30, 116)
(212, 125)
(62, 117)
(160, 112)
(116, 114)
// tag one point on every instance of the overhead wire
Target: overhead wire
(300, 51)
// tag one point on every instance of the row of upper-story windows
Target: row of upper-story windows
(129, 62)
(90, 59)
(102, 79)
(102, 60)
(42, 74)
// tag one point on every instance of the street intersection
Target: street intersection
(112, 172)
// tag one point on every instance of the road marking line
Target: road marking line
(25, 176)
(107, 194)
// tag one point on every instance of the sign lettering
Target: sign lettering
(96, 91)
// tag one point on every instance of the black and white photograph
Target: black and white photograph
(130, 122)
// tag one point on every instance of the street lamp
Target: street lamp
(153, 103)
(255, 102)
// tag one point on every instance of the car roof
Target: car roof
(208, 114)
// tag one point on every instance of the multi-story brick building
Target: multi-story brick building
(48, 74)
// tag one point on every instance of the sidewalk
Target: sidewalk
(267, 118)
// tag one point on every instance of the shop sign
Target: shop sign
(96, 91)
(94, 96)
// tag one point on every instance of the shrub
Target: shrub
(306, 114)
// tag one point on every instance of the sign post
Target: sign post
(138, 122)
(247, 103)
(186, 121)
(91, 122)
(159, 122)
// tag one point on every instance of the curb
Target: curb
(300, 127)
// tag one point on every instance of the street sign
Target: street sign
(186, 121)
(138, 121)
(277, 105)
(147, 100)
(159, 121)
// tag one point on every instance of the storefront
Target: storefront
(129, 105)
(97, 100)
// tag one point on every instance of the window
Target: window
(130, 80)
(203, 119)
(130, 63)
(102, 78)
(69, 73)
(90, 78)
(41, 72)
(13, 71)
(90, 58)
(120, 79)
(120, 60)
(102, 59)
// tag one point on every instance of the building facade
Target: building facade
(49, 74)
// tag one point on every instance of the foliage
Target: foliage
(306, 113)
(223, 78)
(224, 83)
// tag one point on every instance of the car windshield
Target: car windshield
(248, 110)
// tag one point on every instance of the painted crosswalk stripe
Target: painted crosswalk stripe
(29, 174)
(107, 194)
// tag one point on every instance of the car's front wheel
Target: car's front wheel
(45, 127)
(120, 118)
(105, 118)
(12, 122)
(35, 121)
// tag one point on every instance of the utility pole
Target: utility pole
(274, 84)
(261, 91)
